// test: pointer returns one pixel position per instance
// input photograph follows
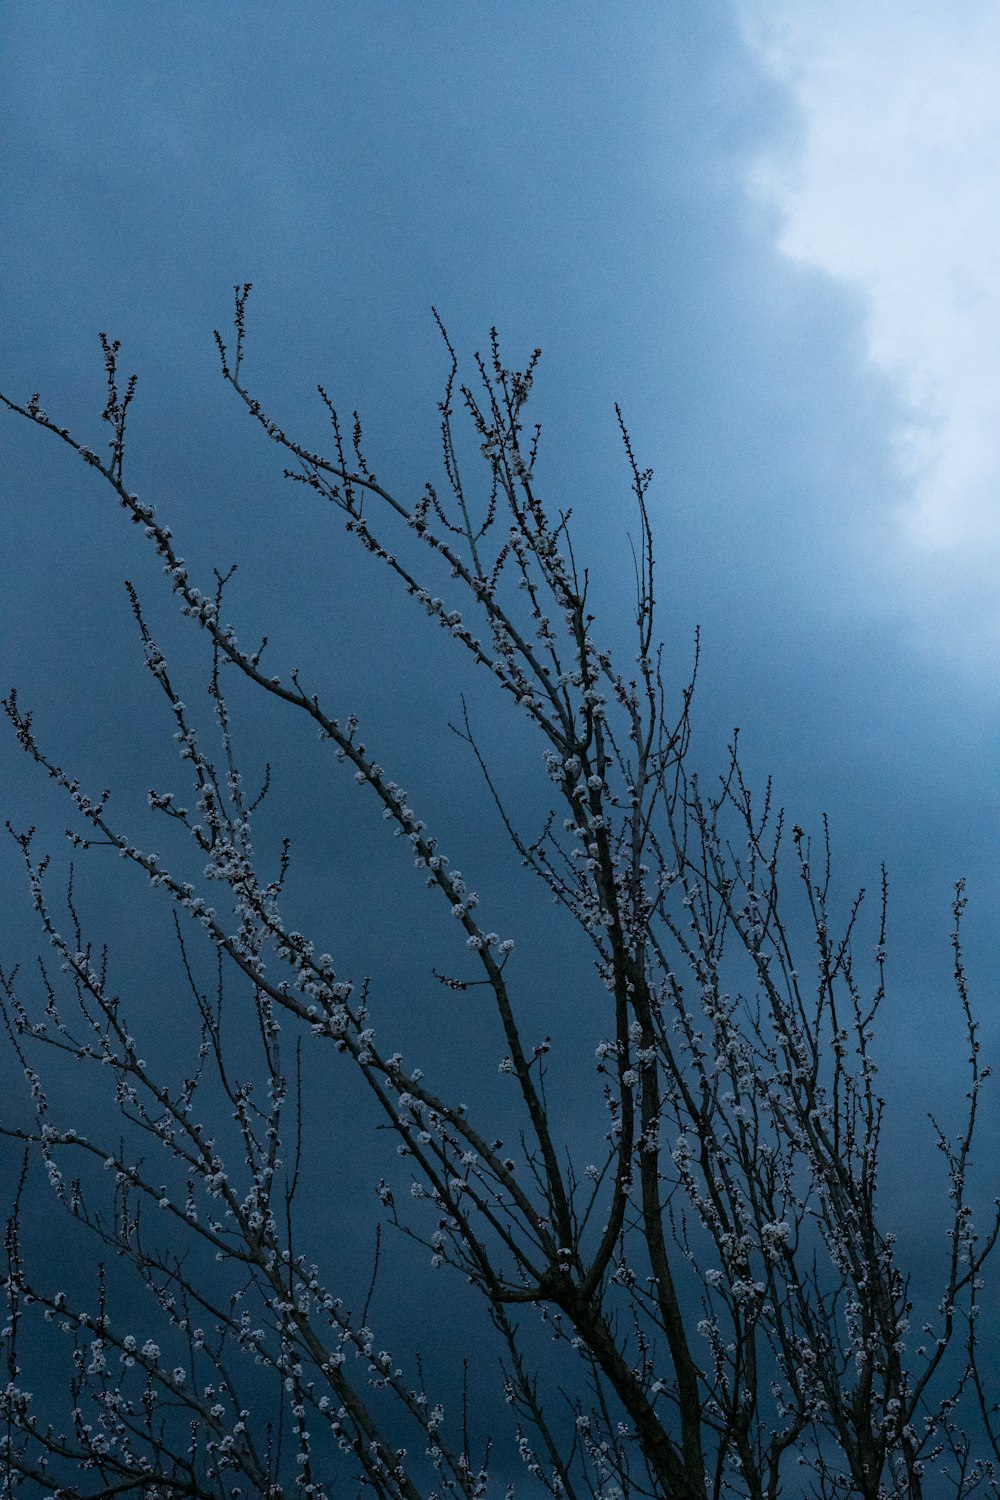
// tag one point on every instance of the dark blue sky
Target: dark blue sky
(576, 174)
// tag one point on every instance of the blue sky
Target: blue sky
(766, 229)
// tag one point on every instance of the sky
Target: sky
(888, 187)
(766, 229)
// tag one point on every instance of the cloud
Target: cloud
(891, 183)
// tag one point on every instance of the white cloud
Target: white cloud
(891, 182)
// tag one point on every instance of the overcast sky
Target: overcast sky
(767, 229)
(888, 185)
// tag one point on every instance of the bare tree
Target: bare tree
(723, 1311)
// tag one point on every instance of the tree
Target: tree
(714, 1307)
